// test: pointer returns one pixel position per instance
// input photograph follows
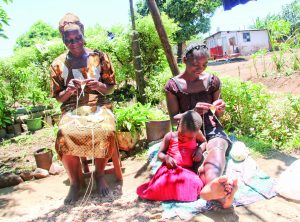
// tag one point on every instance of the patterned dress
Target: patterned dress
(87, 127)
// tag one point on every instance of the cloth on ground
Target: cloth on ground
(229, 4)
(254, 185)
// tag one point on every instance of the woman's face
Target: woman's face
(196, 65)
(74, 41)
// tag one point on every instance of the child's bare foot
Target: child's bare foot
(102, 187)
(227, 202)
(215, 189)
(73, 195)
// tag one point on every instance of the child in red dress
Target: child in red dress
(175, 179)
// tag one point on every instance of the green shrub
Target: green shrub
(252, 112)
(155, 88)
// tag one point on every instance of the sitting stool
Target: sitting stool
(116, 159)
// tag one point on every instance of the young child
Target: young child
(175, 179)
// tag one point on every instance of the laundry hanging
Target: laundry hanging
(229, 4)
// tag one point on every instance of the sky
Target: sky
(24, 13)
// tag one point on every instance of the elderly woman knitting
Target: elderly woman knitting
(80, 79)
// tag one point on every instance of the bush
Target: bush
(155, 90)
(252, 112)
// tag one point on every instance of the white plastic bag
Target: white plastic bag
(288, 184)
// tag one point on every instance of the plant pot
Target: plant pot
(157, 129)
(48, 121)
(10, 129)
(17, 129)
(43, 158)
(34, 124)
(126, 140)
(55, 119)
(2, 133)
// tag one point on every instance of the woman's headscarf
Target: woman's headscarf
(70, 22)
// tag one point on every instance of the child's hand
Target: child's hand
(170, 162)
(197, 155)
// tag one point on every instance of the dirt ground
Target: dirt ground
(42, 200)
(245, 70)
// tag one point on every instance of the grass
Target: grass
(255, 145)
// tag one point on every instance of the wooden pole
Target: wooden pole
(163, 36)
(137, 60)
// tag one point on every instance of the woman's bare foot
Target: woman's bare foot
(227, 201)
(73, 195)
(102, 187)
(215, 189)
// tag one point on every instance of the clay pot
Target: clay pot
(56, 118)
(126, 140)
(157, 129)
(17, 129)
(2, 133)
(43, 158)
(48, 121)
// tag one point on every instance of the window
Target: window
(246, 36)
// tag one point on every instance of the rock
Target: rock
(55, 169)
(26, 175)
(40, 173)
(9, 179)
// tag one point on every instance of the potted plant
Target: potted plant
(4, 119)
(35, 121)
(158, 124)
(129, 123)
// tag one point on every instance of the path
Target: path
(44, 198)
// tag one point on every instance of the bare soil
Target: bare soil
(262, 72)
(42, 200)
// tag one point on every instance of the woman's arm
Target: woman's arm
(173, 108)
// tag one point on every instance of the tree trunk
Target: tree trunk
(137, 60)
(179, 52)
(163, 36)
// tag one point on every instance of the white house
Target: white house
(244, 42)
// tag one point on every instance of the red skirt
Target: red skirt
(179, 184)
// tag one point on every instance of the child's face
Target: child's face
(196, 65)
(185, 135)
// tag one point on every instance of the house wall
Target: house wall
(258, 40)
(248, 42)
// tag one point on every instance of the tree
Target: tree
(38, 32)
(291, 13)
(3, 19)
(192, 16)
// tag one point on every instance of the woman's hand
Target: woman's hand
(220, 106)
(73, 85)
(202, 108)
(197, 155)
(170, 162)
(93, 84)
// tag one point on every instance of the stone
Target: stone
(9, 179)
(26, 175)
(55, 169)
(40, 173)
